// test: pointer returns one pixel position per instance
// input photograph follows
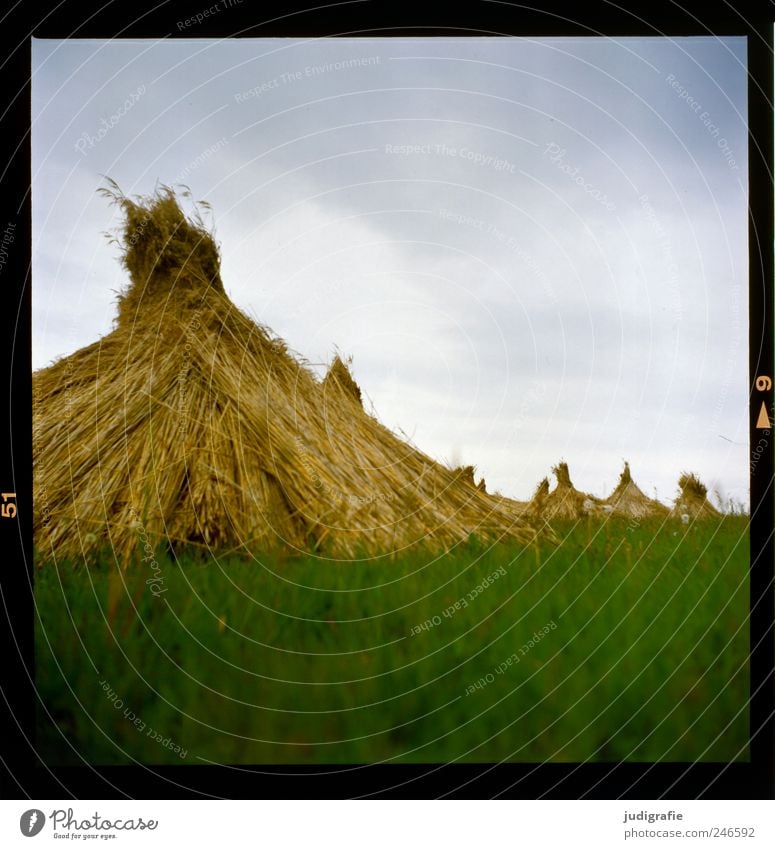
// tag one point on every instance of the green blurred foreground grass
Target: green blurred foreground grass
(624, 642)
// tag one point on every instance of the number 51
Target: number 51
(8, 511)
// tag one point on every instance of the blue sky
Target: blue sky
(533, 249)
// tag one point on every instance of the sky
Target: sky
(533, 250)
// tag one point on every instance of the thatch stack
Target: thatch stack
(628, 499)
(564, 501)
(693, 499)
(190, 423)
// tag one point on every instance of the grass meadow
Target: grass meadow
(626, 641)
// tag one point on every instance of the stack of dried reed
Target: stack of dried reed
(564, 501)
(628, 499)
(692, 500)
(192, 424)
(535, 508)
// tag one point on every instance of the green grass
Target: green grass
(295, 660)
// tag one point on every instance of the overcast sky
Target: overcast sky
(533, 249)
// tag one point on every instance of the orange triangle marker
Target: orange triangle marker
(764, 420)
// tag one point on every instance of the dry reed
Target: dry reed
(192, 424)
(628, 499)
(563, 502)
(692, 500)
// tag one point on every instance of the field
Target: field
(625, 642)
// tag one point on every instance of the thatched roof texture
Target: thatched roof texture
(190, 423)
(692, 500)
(628, 499)
(339, 379)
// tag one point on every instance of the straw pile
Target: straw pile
(628, 499)
(191, 424)
(564, 501)
(693, 499)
